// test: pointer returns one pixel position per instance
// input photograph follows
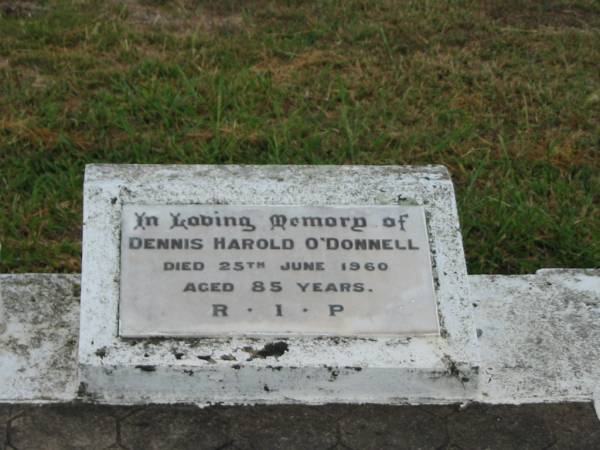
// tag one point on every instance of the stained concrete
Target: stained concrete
(298, 427)
(539, 335)
(38, 337)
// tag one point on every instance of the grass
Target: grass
(504, 93)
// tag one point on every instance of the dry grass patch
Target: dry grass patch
(301, 65)
(180, 17)
(543, 13)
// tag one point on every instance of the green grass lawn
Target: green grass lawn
(505, 93)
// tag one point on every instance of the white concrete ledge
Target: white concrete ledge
(540, 335)
(539, 338)
(39, 326)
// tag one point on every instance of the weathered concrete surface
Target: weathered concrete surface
(373, 427)
(539, 338)
(328, 369)
(287, 427)
(39, 321)
(539, 335)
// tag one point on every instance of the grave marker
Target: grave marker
(192, 275)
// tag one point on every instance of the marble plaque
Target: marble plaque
(208, 270)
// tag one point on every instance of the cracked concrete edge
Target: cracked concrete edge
(540, 338)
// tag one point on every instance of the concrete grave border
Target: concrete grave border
(539, 338)
(270, 370)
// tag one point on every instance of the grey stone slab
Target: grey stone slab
(63, 427)
(500, 427)
(173, 427)
(282, 427)
(573, 426)
(38, 336)
(398, 427)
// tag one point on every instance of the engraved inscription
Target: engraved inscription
(202, 270)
